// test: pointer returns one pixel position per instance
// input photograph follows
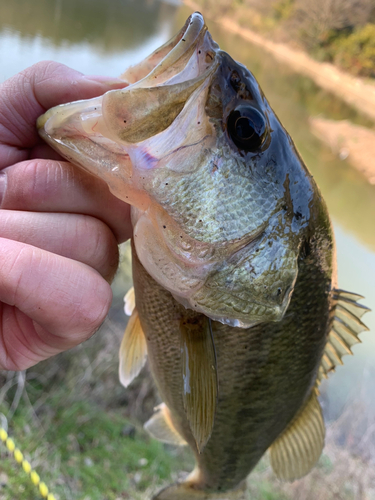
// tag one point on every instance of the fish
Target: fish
(235, 301)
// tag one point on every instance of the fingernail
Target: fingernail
(107, 80)
(3, 186)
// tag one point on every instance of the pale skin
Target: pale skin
(59, 226)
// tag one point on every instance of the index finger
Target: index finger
(30, 93)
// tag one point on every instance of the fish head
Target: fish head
(220, 198)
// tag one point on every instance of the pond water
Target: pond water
(98, 37)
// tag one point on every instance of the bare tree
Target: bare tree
(316, 19)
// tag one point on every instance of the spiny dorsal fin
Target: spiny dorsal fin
(129, 301)
(199, 377)
(161, 427)
(299, 447)
(133, 350)
(346, 325)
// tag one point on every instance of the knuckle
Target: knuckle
(92, 309)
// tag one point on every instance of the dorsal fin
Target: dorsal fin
(133, 350)
(299, 447)
(345, 327)
(161, 427)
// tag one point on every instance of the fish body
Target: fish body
(234, 273)
(265, 373)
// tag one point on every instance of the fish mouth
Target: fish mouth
(128, 137)
(100, 134)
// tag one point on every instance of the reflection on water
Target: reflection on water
(92, 36)
(105, 37)
(109, 26)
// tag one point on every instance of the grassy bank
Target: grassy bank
(83, 452)
(87, 451)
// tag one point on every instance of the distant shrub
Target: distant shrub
(356, 53)
(325, 48)
(283, 9)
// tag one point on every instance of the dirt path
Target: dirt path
(355, 91)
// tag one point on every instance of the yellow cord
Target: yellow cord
(18, 456)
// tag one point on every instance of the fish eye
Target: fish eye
(247, 128)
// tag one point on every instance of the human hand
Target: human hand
(59, 226)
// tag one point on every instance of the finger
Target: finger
(63, 303)
(30, 93)
(50, 186)
(77, 237)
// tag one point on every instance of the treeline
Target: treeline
(338, 31)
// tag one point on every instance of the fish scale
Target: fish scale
(223, 204)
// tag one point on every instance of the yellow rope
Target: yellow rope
(18, 456)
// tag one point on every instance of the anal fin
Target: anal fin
(299, 447)
(161, 427)
(133, 350)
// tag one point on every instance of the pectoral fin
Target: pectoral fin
(129, 301)
(133, 350)
(161, 427)
(299, 447)
(199, 377)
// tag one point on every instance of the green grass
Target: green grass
(83, 452)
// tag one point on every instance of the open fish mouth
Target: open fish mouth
(164, 138)
(99, 134)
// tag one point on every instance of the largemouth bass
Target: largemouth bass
(236, 304)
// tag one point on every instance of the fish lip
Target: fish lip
(188, 35)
